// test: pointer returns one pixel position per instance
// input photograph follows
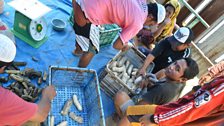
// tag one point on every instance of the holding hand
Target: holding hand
(49, 92)
(166, 21)
(205, 78)
(141, 72)
(2, 69)
(152, 77)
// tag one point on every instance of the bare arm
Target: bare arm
(79, 16)
(158, 31)
(2, 69)
(176, 27)
(119, 45)
(148, 60)
(44, 105)
(161, 27)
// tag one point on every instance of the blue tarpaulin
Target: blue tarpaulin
(57, 50)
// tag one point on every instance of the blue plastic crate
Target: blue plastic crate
(82, 82)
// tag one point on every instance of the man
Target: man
(130, 15)
(169, 50)
(163, 30)
(198, 108)
(162, 92)
(14, 110)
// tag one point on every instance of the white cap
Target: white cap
(7, 49)
(182, 35)
(161, 14)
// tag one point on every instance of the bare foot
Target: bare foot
(77, 52)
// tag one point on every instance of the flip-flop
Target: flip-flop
(78, 55)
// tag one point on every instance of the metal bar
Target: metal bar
(202, 54)
(219, 25)
(198, 9)
(193, 23)
(196, 14)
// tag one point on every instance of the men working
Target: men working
(14, 110)
(149, 37)
(162, 92)
(203, 108)
(199, 107)
(169, 50)
(130, 15)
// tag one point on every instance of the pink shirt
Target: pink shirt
(14, 111)
(130, 15)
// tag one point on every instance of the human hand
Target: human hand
(143, 83)
(127, 46)
(145, 120)
(141, 72)
(205, 78)
(166, 21)
(49, 92)
(2, 69)
(152, 77)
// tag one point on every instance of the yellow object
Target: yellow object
(138, 124)
(135, 124)
(169, 27)
(141, 109)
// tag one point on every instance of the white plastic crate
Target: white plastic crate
(110, 83)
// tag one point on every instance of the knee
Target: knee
(120, 96)
(124, 122)
(118, 44)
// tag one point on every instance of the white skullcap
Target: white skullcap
(7, 49)
(161, 13)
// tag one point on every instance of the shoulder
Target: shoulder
(171, 87)
(163, 43)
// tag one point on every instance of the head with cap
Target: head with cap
(156, 14)
(7, 52)
(181, 39)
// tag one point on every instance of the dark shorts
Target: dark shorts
(85, 32)
(134, 118)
